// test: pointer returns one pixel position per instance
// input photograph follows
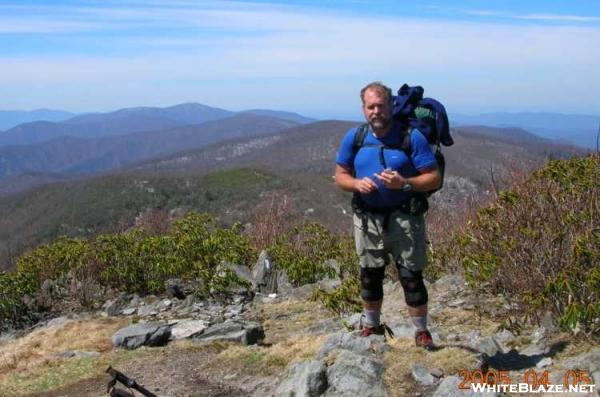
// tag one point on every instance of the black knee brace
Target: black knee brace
(415, 292)
(371, 283)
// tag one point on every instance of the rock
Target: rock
(129, 311)
(544, 362)
(112, 307)
(421, 374)
(539, 336)
(175, 288)
(437, 372)
(351, 342)
(263, 275)
(284, 287)
(504, 338)
(58, 321)
(147, 311)
(188, 329)
(305, 379)
(355, 374)
(449, 388)
(144, 334)
(353, 321)
(450, 282)
(487, 345)
(329, 284)
(248, 333)
(403, 329)
(242, 272)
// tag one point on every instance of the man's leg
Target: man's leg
(415, 294)
(371, 280)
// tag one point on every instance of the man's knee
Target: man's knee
(415, 292)
(371, 282)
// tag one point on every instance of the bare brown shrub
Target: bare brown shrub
(270, 219)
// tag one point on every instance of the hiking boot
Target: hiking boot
(368, 331)
(423, 339)
(380, 329)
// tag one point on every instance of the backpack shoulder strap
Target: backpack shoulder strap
(406, 144)
(359, 138)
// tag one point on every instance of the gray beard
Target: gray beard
(380, 124)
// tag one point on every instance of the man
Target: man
(384, 179)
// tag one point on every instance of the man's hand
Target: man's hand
(365, 185)
(391, 179)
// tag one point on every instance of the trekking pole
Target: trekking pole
(118, 376)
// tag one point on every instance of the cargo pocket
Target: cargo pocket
(369, 241)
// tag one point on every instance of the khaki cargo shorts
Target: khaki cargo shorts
(405, 240)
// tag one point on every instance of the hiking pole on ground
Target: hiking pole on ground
(120, 377)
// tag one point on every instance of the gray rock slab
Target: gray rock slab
(305, 379)
(147, 311)
(148, 334)
(248, 333)
(422, 375)
(188, 329)
(487, 345)
(353, 321)
(129, 311)
(353, 375)
(504, 337)
(544, 362)
(351, 341)
(112, 307)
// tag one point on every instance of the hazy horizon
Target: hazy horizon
(306, 56)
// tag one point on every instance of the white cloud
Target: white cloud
(559, 18)
(285, 54)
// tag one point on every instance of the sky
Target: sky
(310, 57)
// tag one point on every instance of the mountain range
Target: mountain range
(12, 118)
(581, 130)
(230, 177)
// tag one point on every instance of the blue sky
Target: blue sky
(306, 56)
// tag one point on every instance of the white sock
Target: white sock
(372, 317)
(420, 322)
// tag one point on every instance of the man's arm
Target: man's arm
(428, 179)
(345, 181)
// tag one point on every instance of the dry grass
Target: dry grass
(403, 353)
(466, 321)
(38, 347)
(261, 360)
(282, 319)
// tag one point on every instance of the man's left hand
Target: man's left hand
(391, 179)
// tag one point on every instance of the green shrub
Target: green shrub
(539, 244)
(195, 248)
(344, 299)
(302, 253)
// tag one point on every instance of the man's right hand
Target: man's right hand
(365, 185)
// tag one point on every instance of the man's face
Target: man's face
(377, 110)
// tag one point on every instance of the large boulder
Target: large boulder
(144, 334)
(248, 333)
(355, 374)
(188, 329)
(306, 379)
(264, 274)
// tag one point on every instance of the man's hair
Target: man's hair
(380, 88)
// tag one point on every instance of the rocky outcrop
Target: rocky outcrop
(145, 334)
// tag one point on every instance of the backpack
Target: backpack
(426, 115)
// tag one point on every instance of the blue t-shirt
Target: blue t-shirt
(367, 161)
